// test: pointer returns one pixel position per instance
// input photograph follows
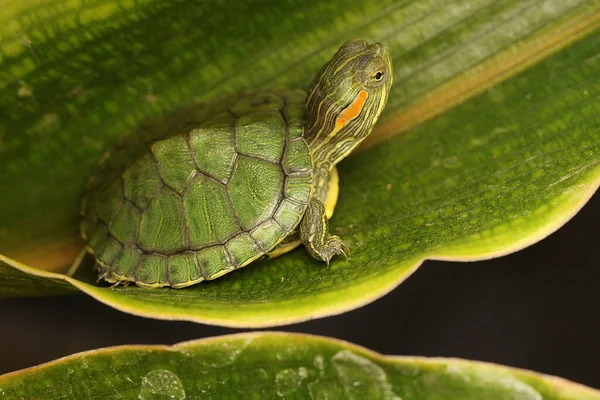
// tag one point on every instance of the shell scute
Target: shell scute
(127, 262)
(125, 226)
(142, 182)
(153, 270)
(162, 228)
(214, 261)
(261, 135)
(109, 251)
(184, 268)
(208, 213)
(174, 162)
(297, 157)
(298, 187)
(267, 234)
(255, 190)
(289, 213)
(213, 146)
(294, 115)
(242, 248)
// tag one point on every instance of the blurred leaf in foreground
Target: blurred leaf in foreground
(270, 365)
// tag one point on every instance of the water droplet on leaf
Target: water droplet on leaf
(161, 384)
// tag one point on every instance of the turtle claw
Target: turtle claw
(114, 285)
(345, 250)
(334, 246)
(345, 253)
(102, 276)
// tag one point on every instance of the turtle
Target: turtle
(213, 186)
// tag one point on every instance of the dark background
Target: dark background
(535, 309)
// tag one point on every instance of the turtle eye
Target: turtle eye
(377, 76)
(375, 73)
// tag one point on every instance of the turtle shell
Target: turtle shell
(201, 192)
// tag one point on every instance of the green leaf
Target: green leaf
(497, 103)
(270, 365)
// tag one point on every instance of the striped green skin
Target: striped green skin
(356, 67)
(213, 188)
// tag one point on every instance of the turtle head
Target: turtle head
(346, 98)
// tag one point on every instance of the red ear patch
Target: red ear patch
(352, 111)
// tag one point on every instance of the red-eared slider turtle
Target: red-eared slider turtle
(218, 185)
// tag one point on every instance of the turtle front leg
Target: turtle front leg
(314, 233)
